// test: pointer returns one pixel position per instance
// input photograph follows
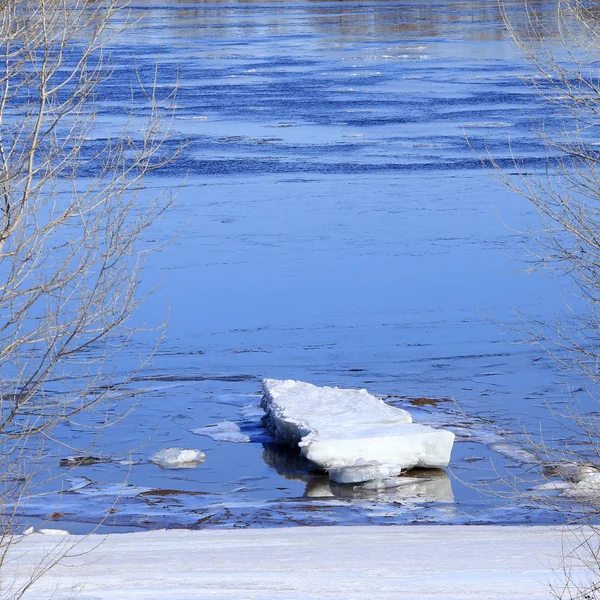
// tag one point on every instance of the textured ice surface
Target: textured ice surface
(228, 431)
(551, 486)
(178, 458)
(585, 488)
(577, 480)
(223, 432)
(571, 471)
(499, 444)
(337, 428)
(495, 563)
(77, 483)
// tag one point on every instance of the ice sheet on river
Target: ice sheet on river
(337, 428)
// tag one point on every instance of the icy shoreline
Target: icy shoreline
(388, 563)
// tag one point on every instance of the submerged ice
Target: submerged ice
(352, 434)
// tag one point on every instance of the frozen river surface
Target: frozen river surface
(333, 225)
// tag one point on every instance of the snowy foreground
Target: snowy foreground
(350, 433)
(412, 562)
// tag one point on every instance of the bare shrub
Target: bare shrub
(72, 231)
(565, 457)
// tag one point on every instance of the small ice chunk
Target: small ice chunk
(367, 471)
(128, 463)
(227, 431)
(571, 471)
(588, 487)
(77, 483)
(514, 452)
(552, 486)
(178, 458)
(335, 428)
(53, 532)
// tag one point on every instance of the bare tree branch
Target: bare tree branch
(72, 231)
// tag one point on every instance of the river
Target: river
(334, 224)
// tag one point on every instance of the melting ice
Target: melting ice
(351, 433)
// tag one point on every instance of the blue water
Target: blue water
(334, 224)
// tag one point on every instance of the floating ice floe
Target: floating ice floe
(178, 458)
(226, 431)
(577, 480)
(498, 443)
(586, 488)
(351, 433)
(77, 483)
(552, 486)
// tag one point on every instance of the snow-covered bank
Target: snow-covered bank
(412, 562)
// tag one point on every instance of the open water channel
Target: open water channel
(333, 224)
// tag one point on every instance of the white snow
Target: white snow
(337, 428)
(312, 563)
(178, 458)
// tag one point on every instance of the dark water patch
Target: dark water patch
(190, 378)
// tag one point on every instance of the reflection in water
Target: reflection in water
(346, 20)
(417, 485)
(288, 462)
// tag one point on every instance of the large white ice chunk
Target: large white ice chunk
(336, 428)
(178, 458)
